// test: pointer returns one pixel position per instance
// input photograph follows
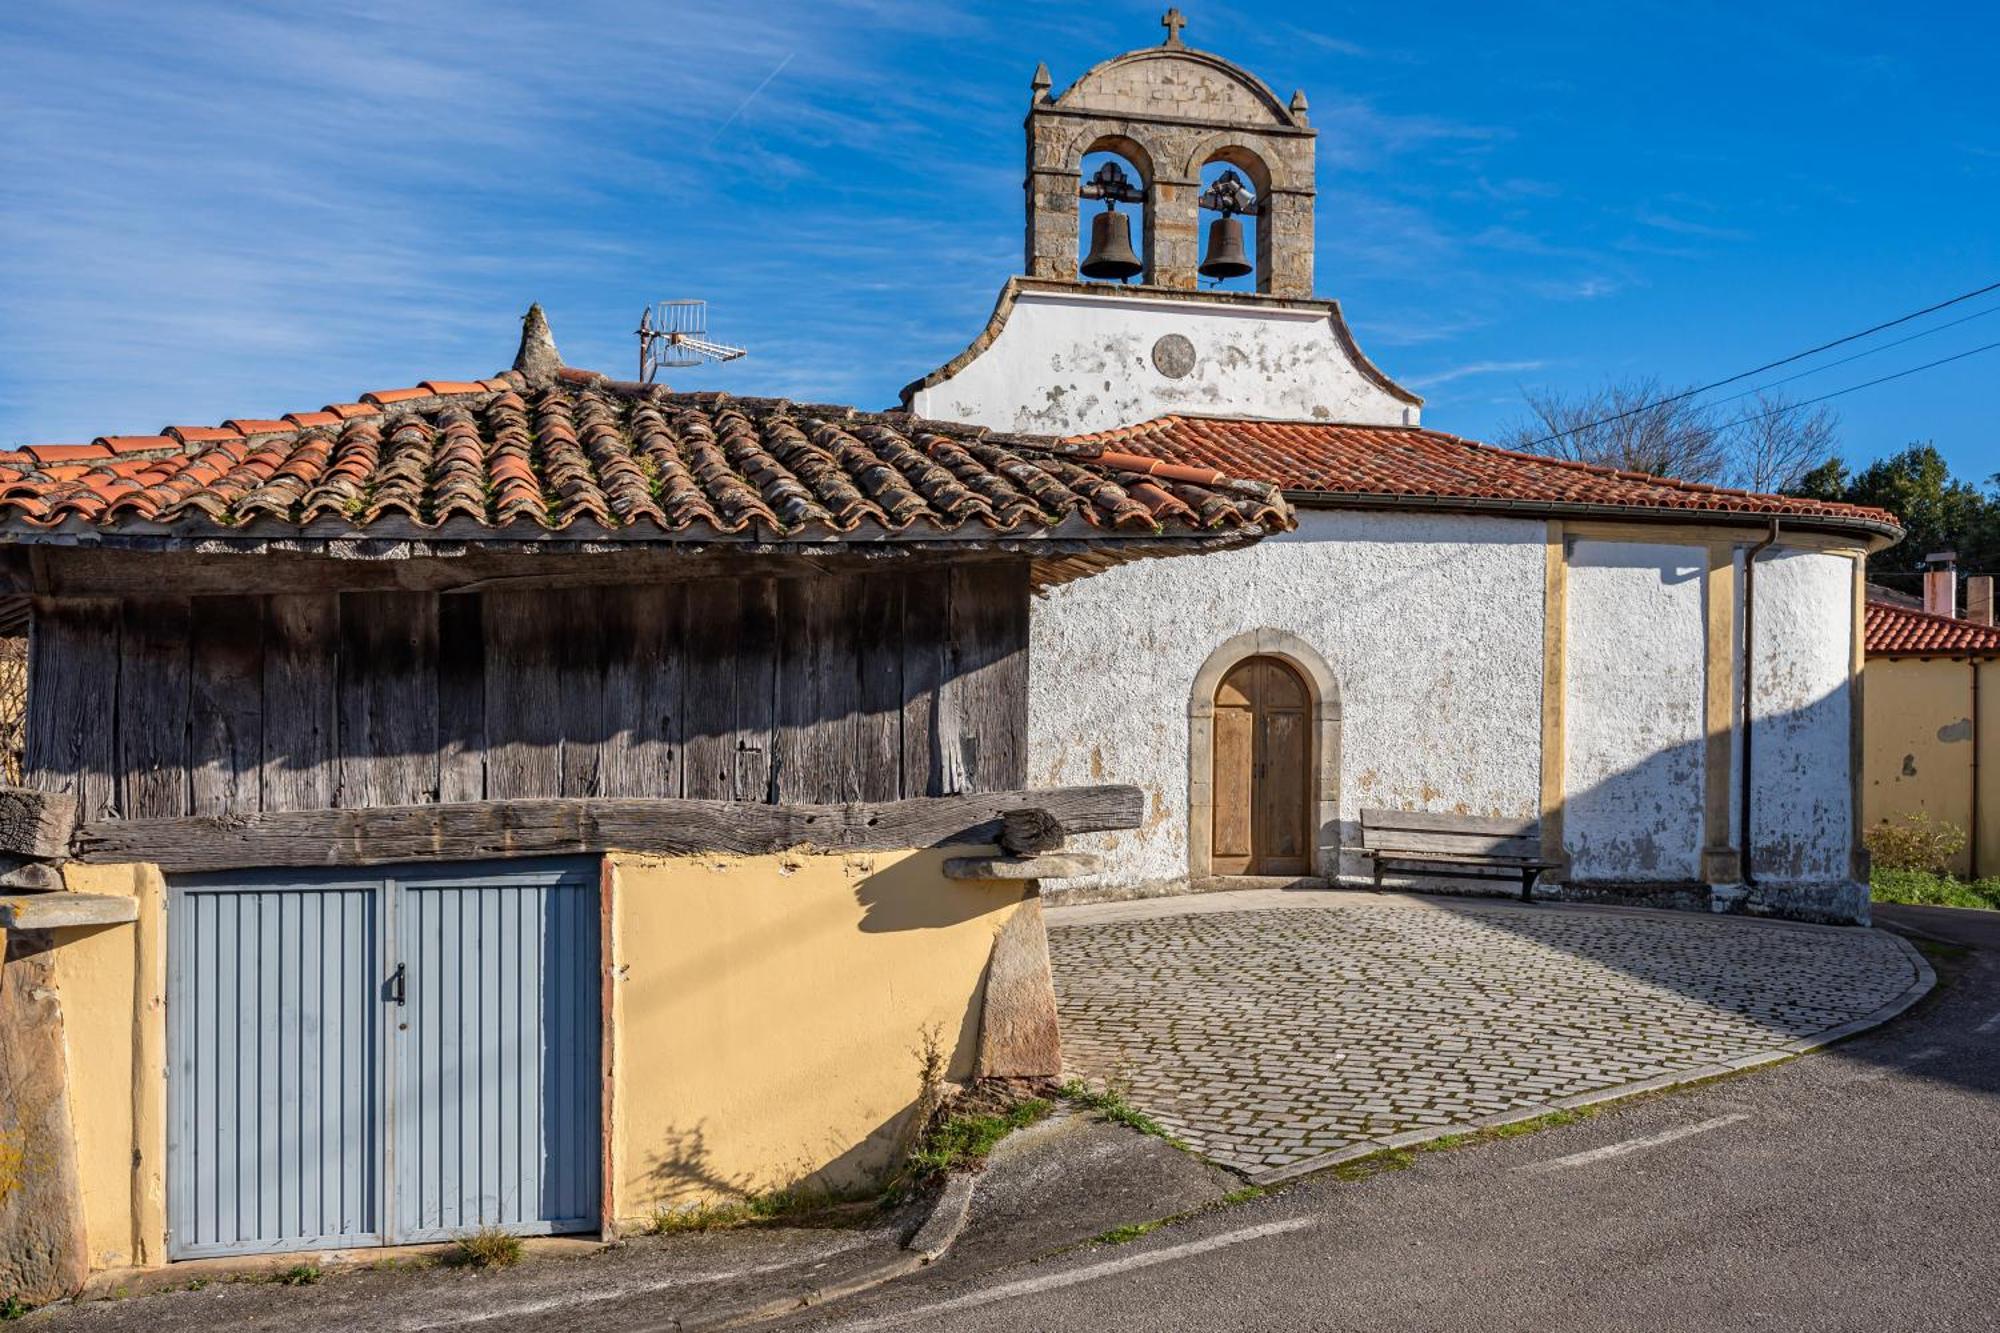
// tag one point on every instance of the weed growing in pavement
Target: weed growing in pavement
(786, 1205)
(961, 1142)
(1244, 1195)
(1111, 1104)
(299, 1275)
(488, 1247)
(1129, 1232)
(15, 1308)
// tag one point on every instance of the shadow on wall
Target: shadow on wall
(684, 1171)
(1641, 826)
(777, 1011)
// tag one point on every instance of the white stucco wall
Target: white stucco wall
(1801, 812)
(1635, 712)
(1071, 362)
(1432, 624)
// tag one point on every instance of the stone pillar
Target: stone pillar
(44, 1255)
(1173, 238)
(1052, 223)
(1285, 244)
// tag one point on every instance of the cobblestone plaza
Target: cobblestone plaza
(1266, 1029)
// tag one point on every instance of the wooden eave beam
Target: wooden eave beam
(486, 829)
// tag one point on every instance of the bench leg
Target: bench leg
(1528, 885)
(1378, 874)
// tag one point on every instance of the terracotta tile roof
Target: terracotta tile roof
(1896, 631)
(633, 461)
(1411, 463)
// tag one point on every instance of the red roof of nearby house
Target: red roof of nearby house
(574, 450)
(1404, 462)
(1895, 631)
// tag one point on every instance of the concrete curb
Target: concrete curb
(1920, 986)
(947, 1219)
(932, 1240)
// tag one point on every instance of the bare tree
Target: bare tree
(1625, 425)
(1777, 443)
(1643, 426)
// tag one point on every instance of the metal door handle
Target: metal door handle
(399, 983)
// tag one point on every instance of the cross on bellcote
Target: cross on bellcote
(1173, 21)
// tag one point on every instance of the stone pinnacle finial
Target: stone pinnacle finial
(538, 359)
(1173, 21)
(1299, 105)
(1041, 84)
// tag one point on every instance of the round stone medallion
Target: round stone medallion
(1173, 356)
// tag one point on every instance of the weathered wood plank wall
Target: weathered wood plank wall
(821, 688)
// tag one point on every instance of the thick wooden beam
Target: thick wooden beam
(36, 823)
(478, 830)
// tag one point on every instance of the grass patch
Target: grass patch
(671, 1221)
(779, 1206)
(1244, 1195)
(15, 1308)
(1129, 1232)
(1110, 1103)
(488, 1247)
(299, 1275)
(1921, 888)
(961, 1142)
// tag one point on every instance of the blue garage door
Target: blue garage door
(381, 1057)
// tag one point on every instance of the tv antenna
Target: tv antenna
(675, 333)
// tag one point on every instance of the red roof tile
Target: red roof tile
(132, 444)
(633, 460)
(1407, 462)
(1895, 631)
(202, 434)
(62, 453)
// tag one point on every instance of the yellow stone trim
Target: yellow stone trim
(1721, 862)
(1555, 688)
(1754, 529)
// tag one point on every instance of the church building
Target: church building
(1656, 681)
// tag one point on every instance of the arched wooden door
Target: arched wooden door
(1263, 762)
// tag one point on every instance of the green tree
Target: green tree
(1938, 511)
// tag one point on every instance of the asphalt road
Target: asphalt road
(1857, 1188)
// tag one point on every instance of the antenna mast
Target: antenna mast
(675, 333)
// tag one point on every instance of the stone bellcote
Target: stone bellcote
(1171, 110)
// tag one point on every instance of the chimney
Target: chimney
(1979, 599)
(1941, 583)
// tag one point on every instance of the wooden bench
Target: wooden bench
(1477, 846)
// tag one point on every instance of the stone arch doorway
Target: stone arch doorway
(1263, 760)
(1261, 784)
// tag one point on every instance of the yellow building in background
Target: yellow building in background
(1930, 692)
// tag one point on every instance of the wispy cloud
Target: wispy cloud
(1472, 369)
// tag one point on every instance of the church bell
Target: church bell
(1111, 254)
(1225, 250)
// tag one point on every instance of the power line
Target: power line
(1773, 365)
(1939, 328)
(1869, 384)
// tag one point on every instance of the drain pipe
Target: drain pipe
(1749, 705)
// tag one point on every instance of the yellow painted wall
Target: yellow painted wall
(111, 984)
(1917, 737)
(768, 1013)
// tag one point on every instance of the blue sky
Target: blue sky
(222, 209)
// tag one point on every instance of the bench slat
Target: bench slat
(1451, 858)
(1427, 822)
(1466, 844)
